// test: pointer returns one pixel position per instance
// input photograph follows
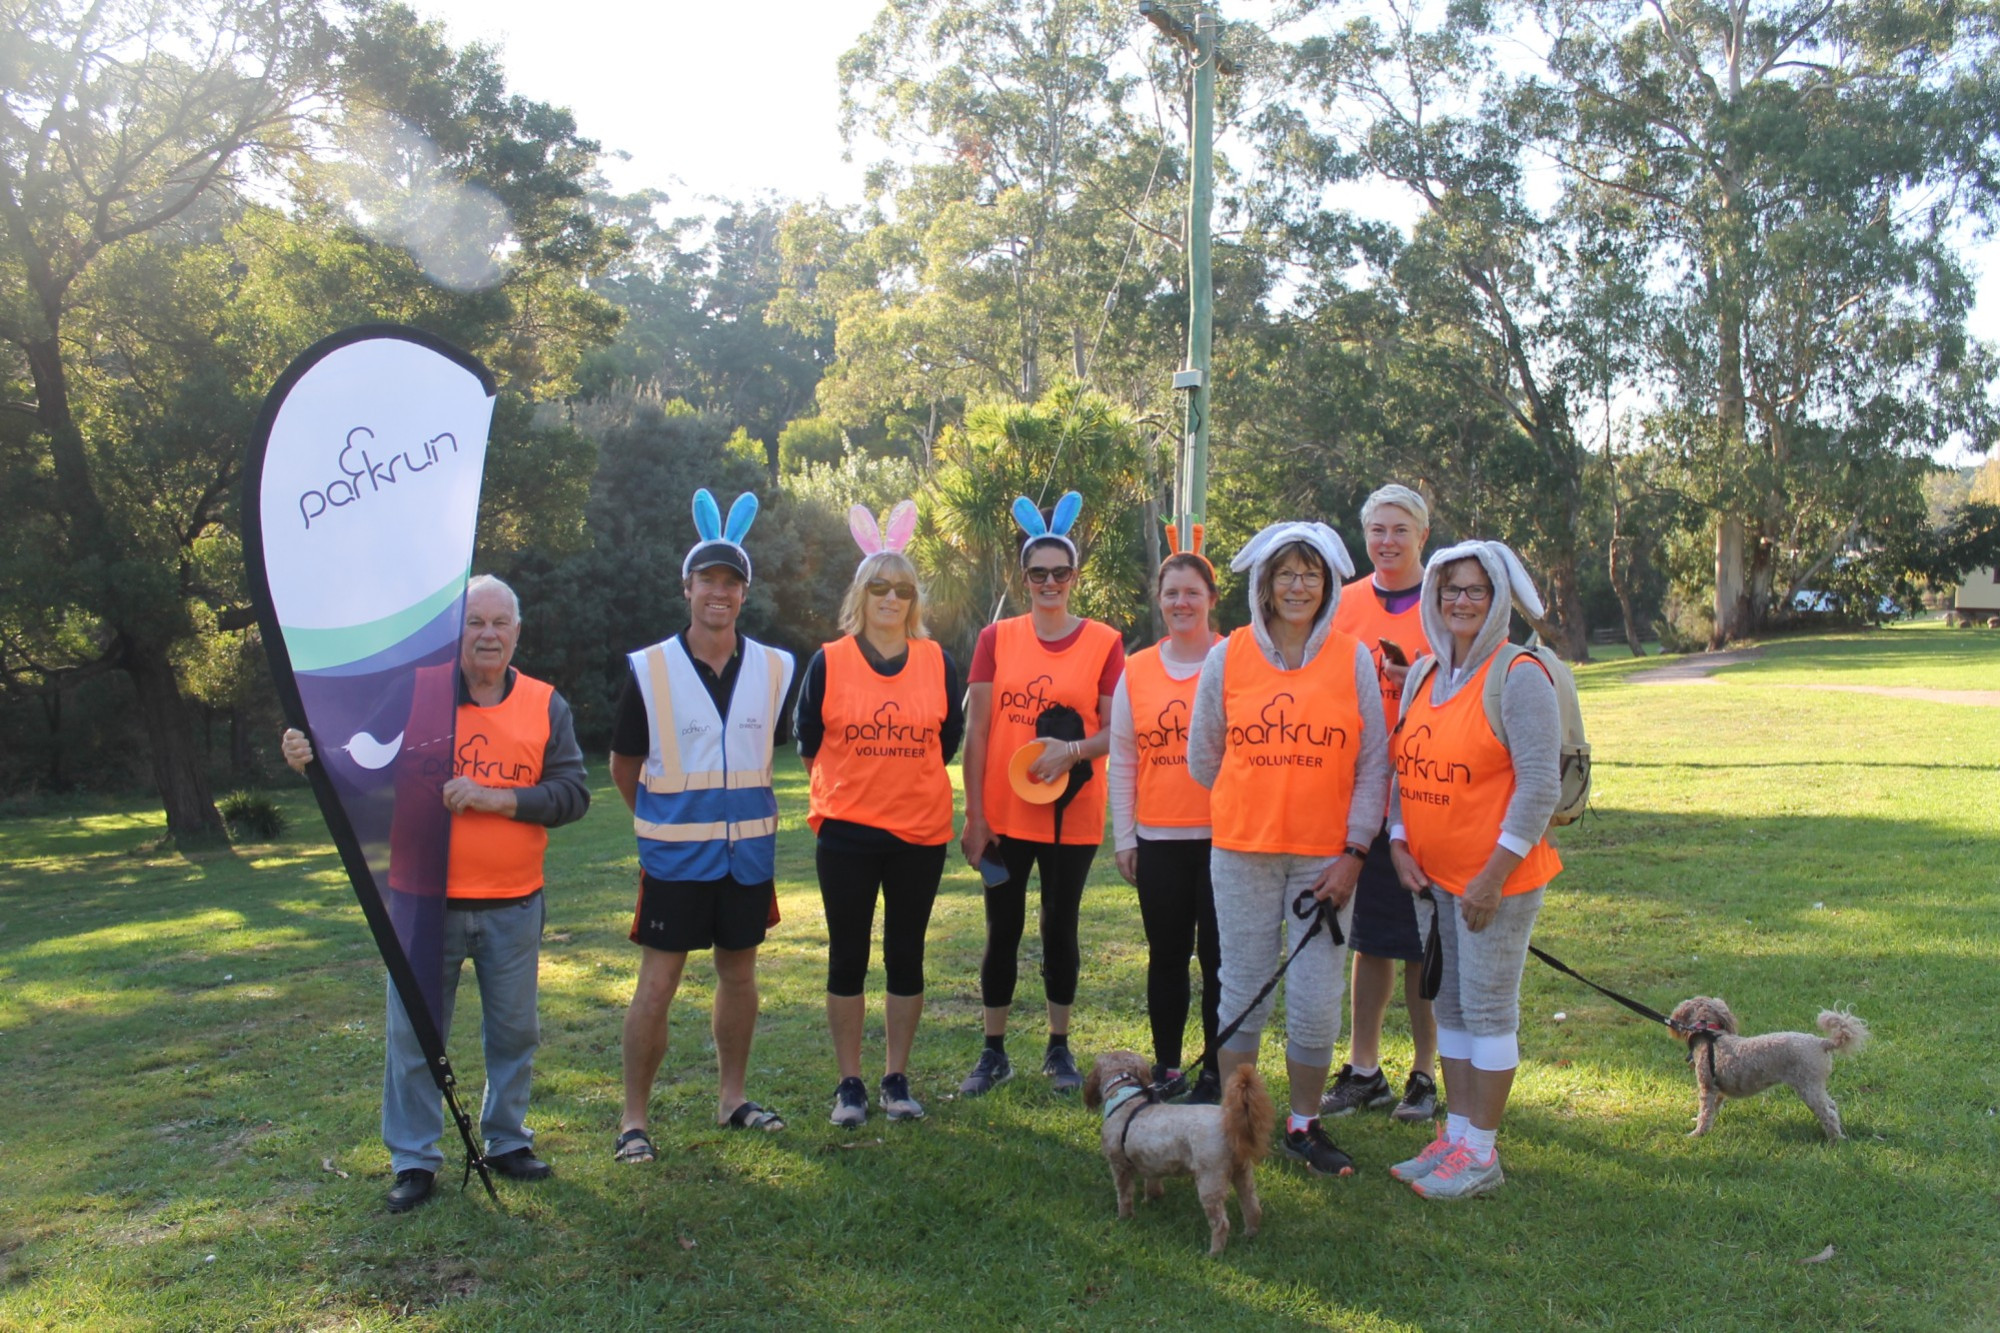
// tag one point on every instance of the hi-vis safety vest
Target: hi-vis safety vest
(705, 808)
(1294, 741)
(1361, 614)
(1164, 795)
(494, 856)
(881, 761)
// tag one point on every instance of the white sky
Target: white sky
(735, 99)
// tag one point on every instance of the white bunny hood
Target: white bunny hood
(1511, 588)
(1255, 557)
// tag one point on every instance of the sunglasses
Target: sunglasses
(882, 588)
(1038, 575)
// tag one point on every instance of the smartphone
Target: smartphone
(992, 870)
(1394, 652)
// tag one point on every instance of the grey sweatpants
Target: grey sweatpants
(1257, 931)
(1478, 1004)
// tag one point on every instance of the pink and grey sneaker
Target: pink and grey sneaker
(1459, 1176)
(1425, 1162)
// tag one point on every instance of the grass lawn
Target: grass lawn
(191, 1055)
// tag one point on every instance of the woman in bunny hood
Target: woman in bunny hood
(1468, 821)
(1287, 734)
(878, 720)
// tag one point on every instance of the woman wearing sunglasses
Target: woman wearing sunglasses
(1021, 667)
(878, 720)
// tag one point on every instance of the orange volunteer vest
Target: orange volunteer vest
(1456, 778)
(1294, 738)
(1161, 706)
(1027, 678)
(881, 760)
(493, 856)
(1360, 613)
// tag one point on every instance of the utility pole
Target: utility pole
(1191, 485)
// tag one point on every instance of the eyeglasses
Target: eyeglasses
(1061, 574)
(1473, 592)
(1297, 578)
(882, 588)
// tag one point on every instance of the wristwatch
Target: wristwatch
(1356, 851)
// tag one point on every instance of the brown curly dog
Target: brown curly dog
(1745, 1066)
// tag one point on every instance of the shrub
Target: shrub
(252, 817)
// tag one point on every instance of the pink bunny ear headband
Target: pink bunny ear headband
(892, 534)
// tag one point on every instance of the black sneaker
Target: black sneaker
(412, 1188)
(850, 1103)
(1312, 1147)
(896, 1099)
(992, 1070)
(1420, 1098)
(1207, 1088)
(1351, 1092)
(1170, 1081)
(1060, 1066)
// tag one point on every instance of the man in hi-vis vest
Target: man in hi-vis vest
(691, 754)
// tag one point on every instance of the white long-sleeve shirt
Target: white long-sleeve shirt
(1123, 769)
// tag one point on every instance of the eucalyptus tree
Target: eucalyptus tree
(1800, 172)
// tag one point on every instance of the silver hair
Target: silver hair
(480, 581)
(1403, 498)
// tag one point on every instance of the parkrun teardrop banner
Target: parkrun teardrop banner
(360, 503)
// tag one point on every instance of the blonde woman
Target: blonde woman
(878, 720)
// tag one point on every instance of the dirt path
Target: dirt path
(1693, 669)
(1972, 698)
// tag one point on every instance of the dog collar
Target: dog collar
(1124, 1094)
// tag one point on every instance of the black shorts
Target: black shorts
(682, 915)
(1385, 913)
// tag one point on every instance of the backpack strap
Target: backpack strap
(1421, 671)
(1505, 658)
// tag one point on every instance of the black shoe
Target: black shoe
(992, 1070)
(1351, 1092)
(412, 1188)
(1207, 1088)
(1060, 1066)
(521, 1164)
(1312, 1147)
(1170, 1081)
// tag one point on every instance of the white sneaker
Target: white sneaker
(1459, 1176)
(1425, 1162)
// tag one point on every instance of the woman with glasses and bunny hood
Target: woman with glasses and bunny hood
(878, 720)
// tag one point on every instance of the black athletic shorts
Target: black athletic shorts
(1385, 913)
(682, 915)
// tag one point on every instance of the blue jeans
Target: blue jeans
(505, 946)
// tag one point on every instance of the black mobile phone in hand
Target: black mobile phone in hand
(992, 870)
(1393, 651)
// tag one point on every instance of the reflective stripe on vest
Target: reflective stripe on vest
(705, 809)
(1455, 779)
(881, 759)
(1292, 742)
(493, 856)
(1027, 678)
(1165, 796)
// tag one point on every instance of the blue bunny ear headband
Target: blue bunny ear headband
(1055, 528)
(708, 525)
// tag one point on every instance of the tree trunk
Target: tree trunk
(177, 770)
(1572, 641)
(1732, 596)
(1616, 565)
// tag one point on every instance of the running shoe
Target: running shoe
(1060, 1066)
(1420, 1099)
(1460, 1177)
(1425, 1162)
(1351, 1092)
(850, 1103)
(896, 1100)
(992, 1070)
(1319, 1153)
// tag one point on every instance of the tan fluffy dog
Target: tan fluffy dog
(1745, 1066)
(1217, 1145)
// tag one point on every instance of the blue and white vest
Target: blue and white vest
(705, 808)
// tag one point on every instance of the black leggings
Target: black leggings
(1177, 904)
(907, 876)
(1064, 868)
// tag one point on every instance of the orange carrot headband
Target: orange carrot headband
(1193, 547)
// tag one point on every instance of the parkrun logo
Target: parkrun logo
(358, 466)
(886, 738)
(1169, 732)
(472, 763)
(1411, 762)
(885, 727)
(1275, 727)
(1032, 698)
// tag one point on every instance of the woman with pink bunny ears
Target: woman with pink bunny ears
(878, 720)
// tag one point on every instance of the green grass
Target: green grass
(186, 1041)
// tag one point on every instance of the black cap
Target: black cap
(711, 555)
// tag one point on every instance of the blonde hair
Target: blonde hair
(1403, 498)
(889, 565)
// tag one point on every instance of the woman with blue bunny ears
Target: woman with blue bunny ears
(1287, 734)
(691, 754)
(878, 723)
(1047, 676)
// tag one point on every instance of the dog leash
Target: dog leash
(1694, 1032)
(1303, 906)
